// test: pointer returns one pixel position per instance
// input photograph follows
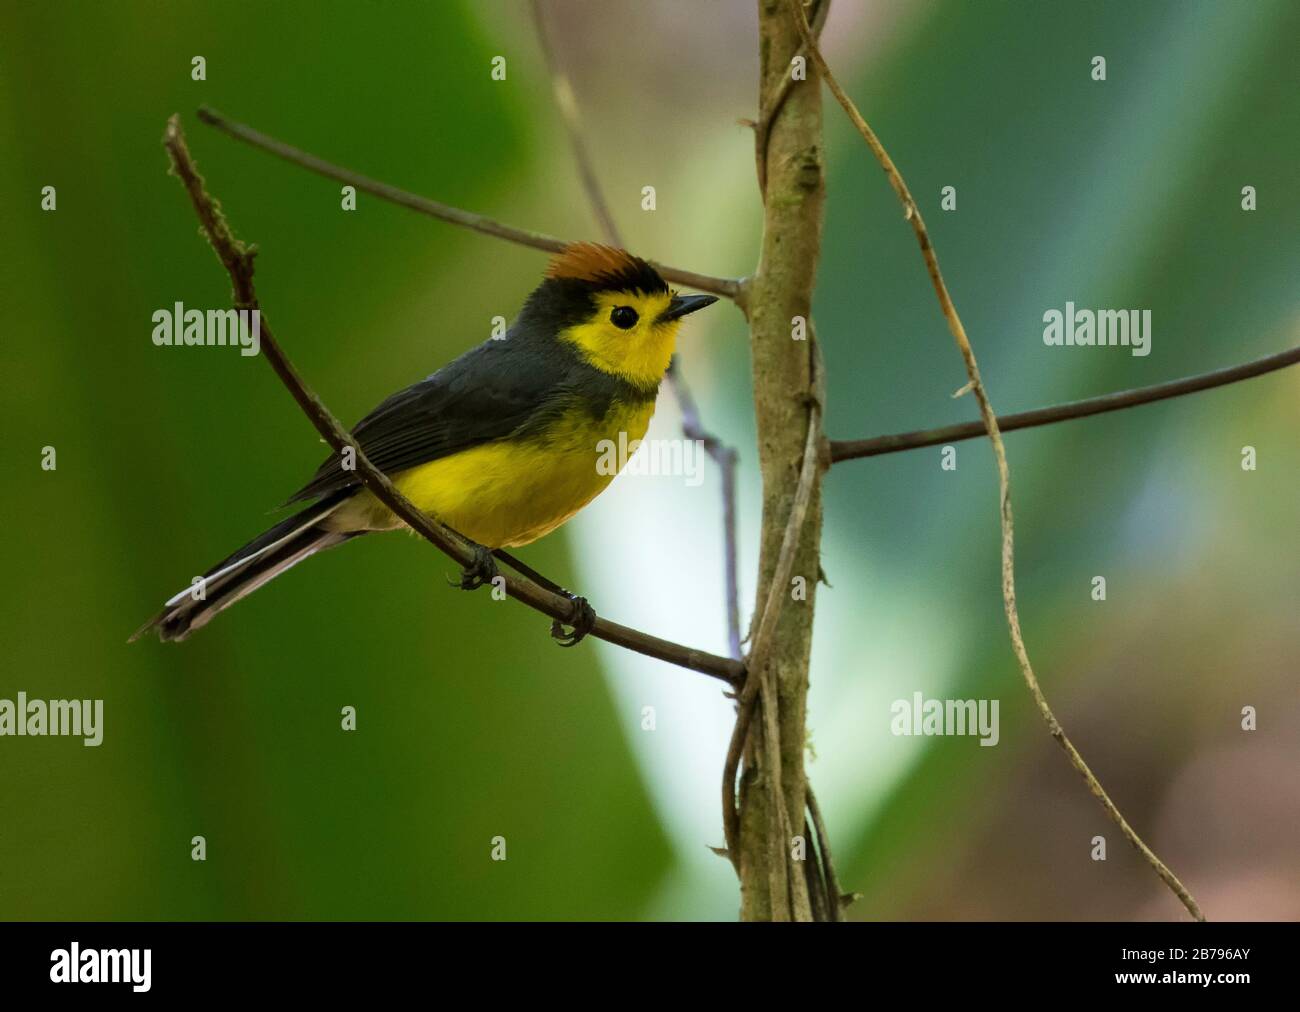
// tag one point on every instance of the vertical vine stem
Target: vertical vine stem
(912, 213)
(788, 411)
(759, 689)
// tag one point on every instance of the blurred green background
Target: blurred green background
(471, 725)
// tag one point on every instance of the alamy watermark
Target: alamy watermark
(1129, 328)
(75, 965)
(655, 457)
(76, 718)
(975, 717)
(191, 328)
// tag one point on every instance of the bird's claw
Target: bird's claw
(581, 622)
(482, 569)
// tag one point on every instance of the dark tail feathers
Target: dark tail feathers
(235, 577)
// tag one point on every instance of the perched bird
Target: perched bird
(501, 445)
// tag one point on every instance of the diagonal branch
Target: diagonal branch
(851, 449)
(730, 288)
(913, 214)
(237, 258)
(567, 100)
(692, 425)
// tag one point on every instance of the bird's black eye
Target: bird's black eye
(623, 317)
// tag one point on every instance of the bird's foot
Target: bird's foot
(581, 622)
(482, 569)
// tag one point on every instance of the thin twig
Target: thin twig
(692, 426)
(850, 449)
(913, 214)
(567, 100)
(237, 258)
(726, 459)
(835, 899)
(730, 288)
(815, 878)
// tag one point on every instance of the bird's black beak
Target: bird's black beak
(682, 305)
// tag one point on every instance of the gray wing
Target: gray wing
(490, 392)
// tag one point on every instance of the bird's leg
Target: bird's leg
(582, 621)
(583, 617)
(482, 569)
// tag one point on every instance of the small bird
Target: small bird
(501, 444)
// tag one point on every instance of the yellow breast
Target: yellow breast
(510, 492)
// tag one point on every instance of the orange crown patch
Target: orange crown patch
(605, 267)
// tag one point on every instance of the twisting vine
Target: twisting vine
(913, 214)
